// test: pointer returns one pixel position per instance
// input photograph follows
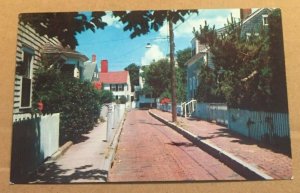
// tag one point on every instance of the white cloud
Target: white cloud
(194, 21)
(112, 21)
(153, 53)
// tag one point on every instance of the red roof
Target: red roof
(113, 77)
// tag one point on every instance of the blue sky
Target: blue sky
(115, 45)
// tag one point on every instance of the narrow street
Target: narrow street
(150, 151)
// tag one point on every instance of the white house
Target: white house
(118, 82)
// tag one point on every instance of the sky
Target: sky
(116, 46)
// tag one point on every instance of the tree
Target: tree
(276, 53)
(157, 77)
(182, 56)
(247, 72)
(141, 22)
(78, 102)
(64, 26)
(133, 70)
(106, 96)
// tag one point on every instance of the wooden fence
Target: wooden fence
(216, 112)
(34, 139)
(262, 126)
(270, 127)
(168, 107)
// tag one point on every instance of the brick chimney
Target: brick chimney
(244, 13)
(104, 66)
(93, 58)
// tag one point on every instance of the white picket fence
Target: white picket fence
(35, 137)
(253, 124)
(46, 127)
(259, 125)
(216, 112)
(115, 116)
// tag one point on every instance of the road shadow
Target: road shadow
(150, 123)
(185, 144)
(51, 173)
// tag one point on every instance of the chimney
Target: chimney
(93, 58)
(244, 13)
(104, 66)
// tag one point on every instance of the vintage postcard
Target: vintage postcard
(150, 96)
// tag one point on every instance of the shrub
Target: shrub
(78, 102)
(123, 99)
(106, 96)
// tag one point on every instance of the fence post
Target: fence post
(109, 121)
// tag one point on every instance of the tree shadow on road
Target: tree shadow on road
(185, 144)
(54, 174)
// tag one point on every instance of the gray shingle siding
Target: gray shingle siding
(254, 24)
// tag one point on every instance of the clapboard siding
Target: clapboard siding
(26, 36)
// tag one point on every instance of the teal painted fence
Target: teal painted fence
(168, 107)
(270, 127)
(217, 112)
(34, 139)
(262, 126)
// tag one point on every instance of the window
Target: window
(25, 65)
(113, 87)
(265, 20)
(121, 87)
(25, 70)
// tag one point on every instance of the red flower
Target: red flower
(40, 106)
(165, 101)
(97, 85)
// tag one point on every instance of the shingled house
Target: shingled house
(251, 25)
(31, 51)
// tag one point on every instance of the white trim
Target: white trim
(254, 14)
(263, 20)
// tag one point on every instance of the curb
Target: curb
(241, 167)
(61, 150)
(112, 148)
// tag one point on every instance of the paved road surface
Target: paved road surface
(150, 151)
(272, 162)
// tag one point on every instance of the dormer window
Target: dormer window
(265, 20)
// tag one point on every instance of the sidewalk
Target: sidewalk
(86, 161)
(274, 164)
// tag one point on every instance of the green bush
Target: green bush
(123, 99)
(78, 102)
(106, 96)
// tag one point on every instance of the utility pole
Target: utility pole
(172, 64)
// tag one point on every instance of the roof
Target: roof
(254, 14)
(194, 58)
(89, 69)
(114, 77)
(49, 48)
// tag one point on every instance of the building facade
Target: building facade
(33, 51)
(118, 82)
(251, 25)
